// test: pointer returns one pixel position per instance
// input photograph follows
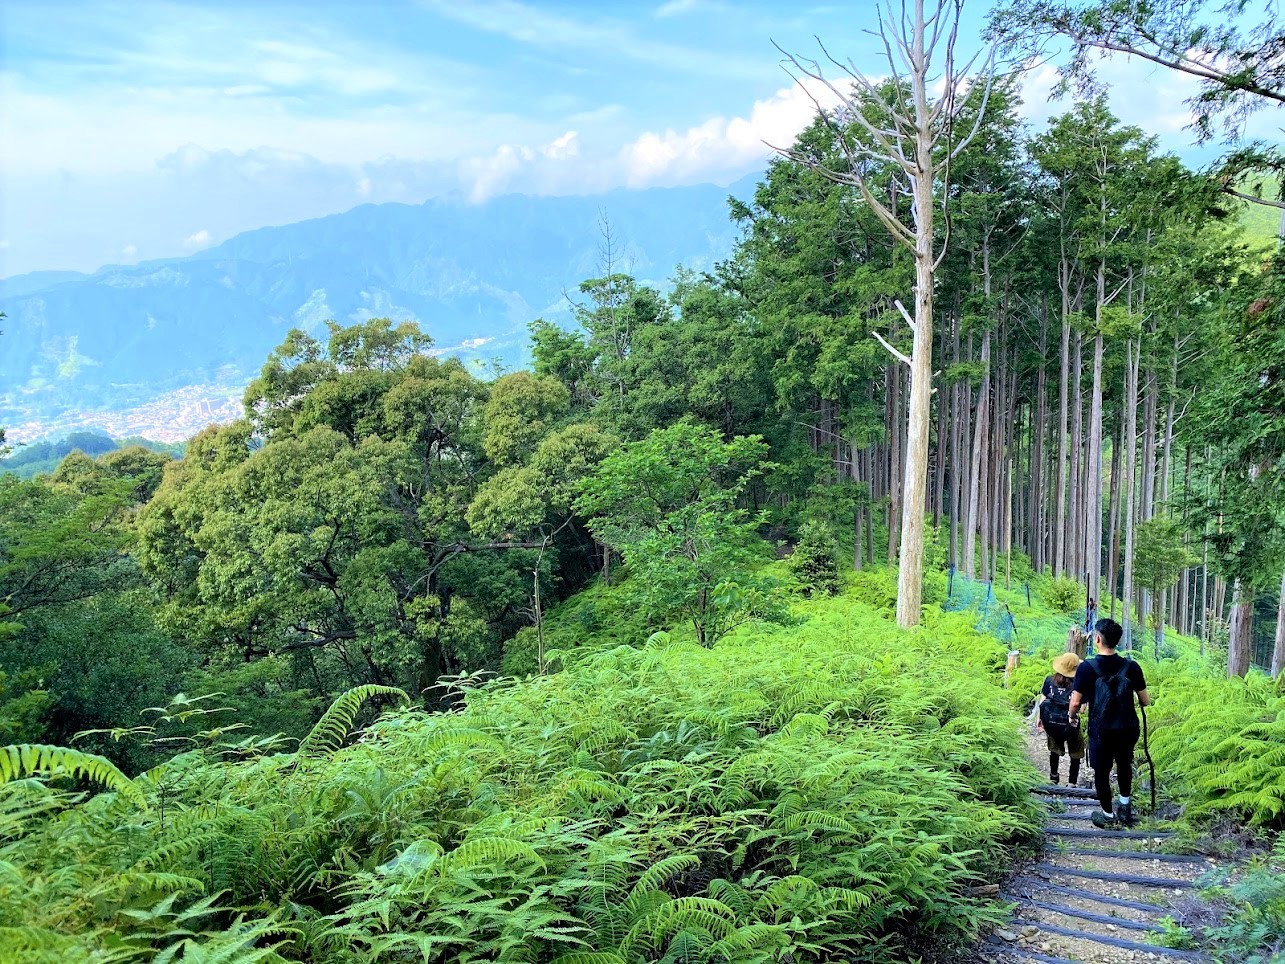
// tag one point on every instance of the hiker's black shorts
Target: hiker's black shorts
(1112, 750)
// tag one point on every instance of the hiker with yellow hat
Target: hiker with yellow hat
(1063, 735)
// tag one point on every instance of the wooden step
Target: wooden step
(1069, 801)
(1114, 878)
(1135, 855)
(1057, 790)
(1117, 834)
(1039, 884)
(1067, 911)
(1124, 944)
(1019, 953)
(1081, 815)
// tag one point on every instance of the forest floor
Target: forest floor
(1080, 902)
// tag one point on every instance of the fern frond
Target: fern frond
(31, 759)
(662, 871)
(333, 727)
(488, 850)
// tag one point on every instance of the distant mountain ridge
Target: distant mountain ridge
(472, 275)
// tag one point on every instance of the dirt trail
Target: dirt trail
(1097, 896)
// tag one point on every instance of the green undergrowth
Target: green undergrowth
(826, 789)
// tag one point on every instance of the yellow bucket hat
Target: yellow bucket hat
(1066, 664)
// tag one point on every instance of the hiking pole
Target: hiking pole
(1146, 752)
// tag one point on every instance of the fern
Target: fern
(656, 875)
(824, 790)
(332, 729)
(29, 759)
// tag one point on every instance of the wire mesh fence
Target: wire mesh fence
(964, 594)
(1031, 628)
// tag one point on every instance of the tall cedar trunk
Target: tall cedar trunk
(1148, 507)
(977, 466)
(1075, 511)
(1278, 650)
(1159, 626)
(1035, 514)
(1239, 645)
(888, 452)
(895, 480)
(1059, 509)
(1000, 434)
(1006, 533)
(1166, 467)
(1113, 524)
(1188, 574)
(1166, 450)
(990, 477)
(1118, 509)
(939, 441)
(910, 573)
(956, 423)
(965, 455)
(955, 465)
(854, 472)
(1149, 606)
(1204, 579)
(1133, 350)
(1093, 487)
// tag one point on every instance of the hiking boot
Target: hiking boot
(1053, 779)
(1124, 812)
(1104, 820)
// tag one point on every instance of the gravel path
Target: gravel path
(1080, 902)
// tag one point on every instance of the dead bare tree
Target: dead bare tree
(907, 122)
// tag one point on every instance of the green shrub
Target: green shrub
(1220, 742)
(1063, 595)
(815, 561)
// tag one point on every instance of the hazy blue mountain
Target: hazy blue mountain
(465, 272)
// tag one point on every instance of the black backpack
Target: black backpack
(1055, 712)
(1113, 702)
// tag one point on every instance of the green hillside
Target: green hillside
(827, 788)
(43, 457)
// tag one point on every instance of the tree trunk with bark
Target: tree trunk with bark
(1278, 650)
(1130, 460)
(1240, 639)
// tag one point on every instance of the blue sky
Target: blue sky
(134, 130)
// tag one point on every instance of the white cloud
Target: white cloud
(568, 145)
(202, 239)
(4, 243)
(722, 146)
(720, 149)
(129, 250)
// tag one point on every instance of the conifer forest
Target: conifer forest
(712, 634)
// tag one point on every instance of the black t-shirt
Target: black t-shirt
(1086, 678)
(1051, 687)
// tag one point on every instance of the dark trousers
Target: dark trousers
(1109, 750)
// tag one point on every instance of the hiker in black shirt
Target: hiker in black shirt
(1054, 718)
(1107, 683)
